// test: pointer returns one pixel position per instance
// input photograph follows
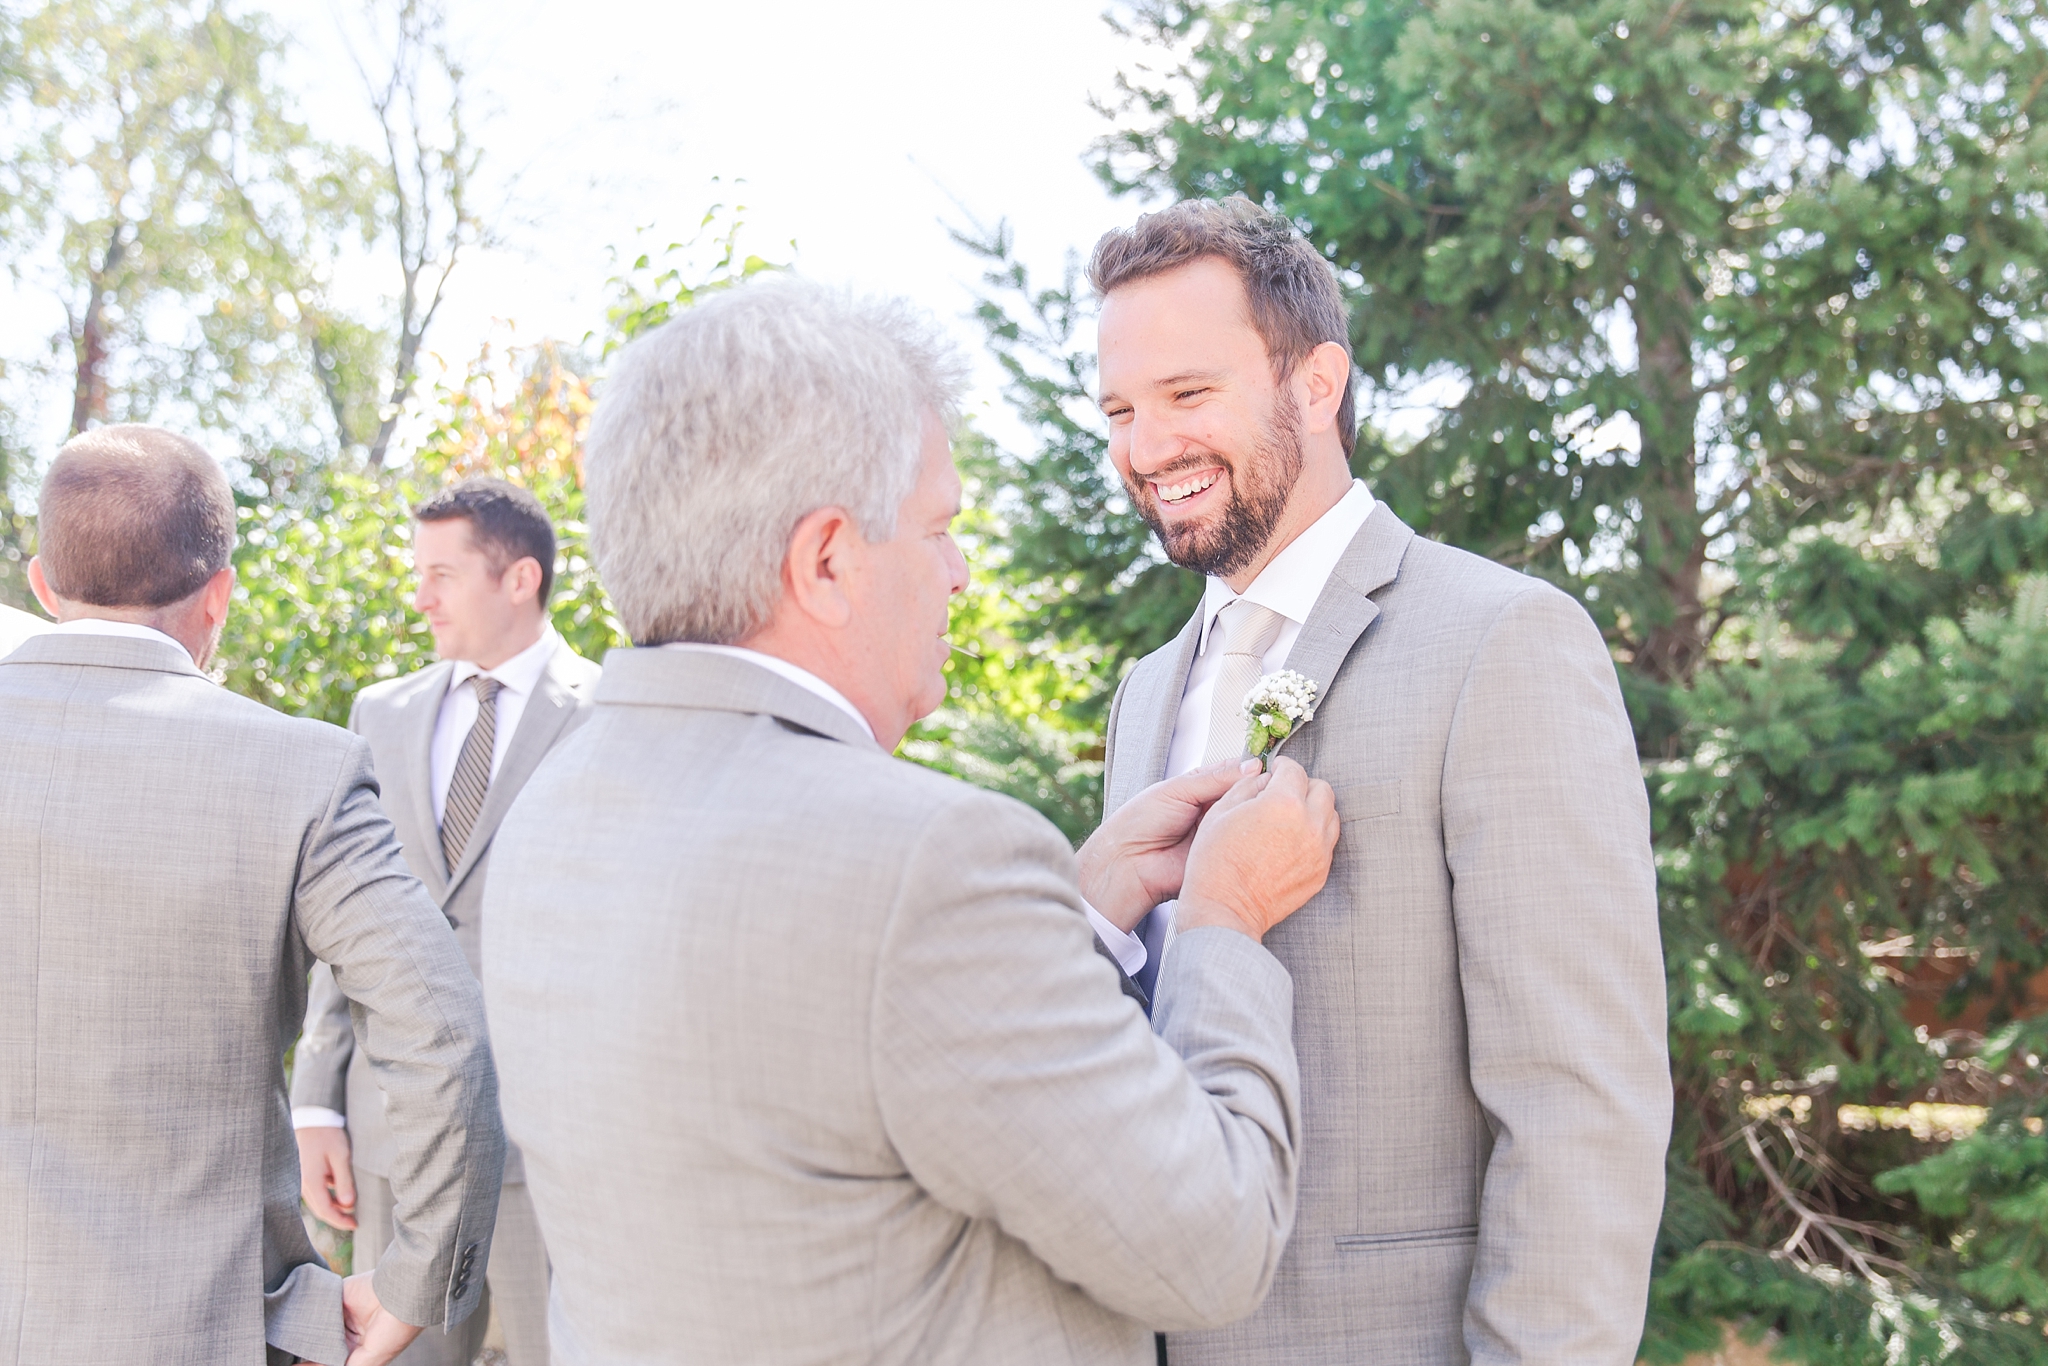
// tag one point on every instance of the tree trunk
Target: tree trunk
(89, 394)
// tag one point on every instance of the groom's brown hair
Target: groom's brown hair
(1296, 304)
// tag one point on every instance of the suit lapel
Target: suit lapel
(1345, 607)
(1166, 706)
(1145, 720)
(418, 828)
(549, 709)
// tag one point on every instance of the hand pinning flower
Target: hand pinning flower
(1274, 708)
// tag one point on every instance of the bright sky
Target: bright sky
(851, 129)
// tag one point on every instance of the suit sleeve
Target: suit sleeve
(1547, 835)
(1018, 1085)
(419, 1019)
(327, 1039)
(326, 1043)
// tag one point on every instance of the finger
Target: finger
(1289, 778)
(1203, 785)
(1242, 791)
(345, 1184)
(1322, 806)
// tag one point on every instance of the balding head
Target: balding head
(133, 517)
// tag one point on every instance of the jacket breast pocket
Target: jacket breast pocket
(1368, 801)
(1433, 1237)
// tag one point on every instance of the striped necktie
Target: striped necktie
(472, 779)
(1249, 630)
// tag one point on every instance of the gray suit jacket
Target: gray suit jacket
(397, 718)
(172, 859)
(813, 1058)
(1479, 988)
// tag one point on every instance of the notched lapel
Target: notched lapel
(421, 831)
(1345, 608)
(1149, 714)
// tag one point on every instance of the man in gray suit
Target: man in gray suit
(172, 860)
(809, 1050)
(453, 744)
(1480, 990)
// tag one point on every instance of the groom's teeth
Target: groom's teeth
(1187, 488)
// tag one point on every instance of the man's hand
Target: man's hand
(373, 1333)
(327, 1182)
(1260, 854)
(1137, 858)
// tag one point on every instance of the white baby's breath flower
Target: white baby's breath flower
(1276, 705)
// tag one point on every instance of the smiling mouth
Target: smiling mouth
(1171, 494)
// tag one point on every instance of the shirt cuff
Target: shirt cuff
(320, 1117)
(1127, 949)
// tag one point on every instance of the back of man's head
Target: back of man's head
(133, 517)
(721, 430)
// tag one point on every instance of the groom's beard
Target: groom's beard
(1259, 486)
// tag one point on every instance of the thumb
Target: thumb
(1206, 784)
(344, 1183)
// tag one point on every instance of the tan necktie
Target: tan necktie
(1248, 631)
(472, 780)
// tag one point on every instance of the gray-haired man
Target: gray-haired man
(172, 860)
(808, 1049)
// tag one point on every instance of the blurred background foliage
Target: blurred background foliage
(1725, 316)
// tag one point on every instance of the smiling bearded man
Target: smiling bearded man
(1480, 992)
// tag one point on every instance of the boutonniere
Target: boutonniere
(1277, 706)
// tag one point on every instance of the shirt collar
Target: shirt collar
(796, 674)
(100, 626)
(521, 673)
(1294, 580)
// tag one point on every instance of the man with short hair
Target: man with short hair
(453, 745)
(1485, 1089)
(809, 1049)
(173, 858)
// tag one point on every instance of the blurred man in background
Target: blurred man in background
(172, 860)
(453, 744)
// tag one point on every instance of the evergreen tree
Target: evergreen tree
(1731, 315)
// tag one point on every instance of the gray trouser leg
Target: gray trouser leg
(518, 1279)
(375, 1228)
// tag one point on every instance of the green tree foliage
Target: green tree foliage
(1728, 318)
(155, 181)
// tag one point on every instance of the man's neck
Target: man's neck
(1324, 482)
(815, 656)
(510, 647)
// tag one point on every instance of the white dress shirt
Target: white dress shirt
(99, 626)
(517, 678)
(1289, 586)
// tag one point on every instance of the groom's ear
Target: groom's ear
(815, 570)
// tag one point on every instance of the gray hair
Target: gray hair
(720, 430)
